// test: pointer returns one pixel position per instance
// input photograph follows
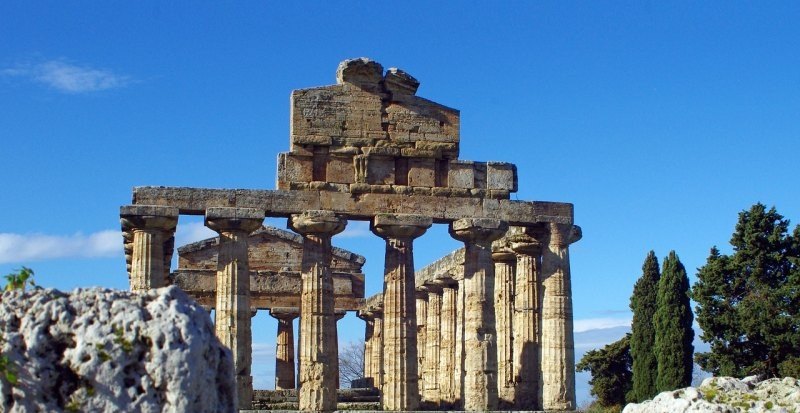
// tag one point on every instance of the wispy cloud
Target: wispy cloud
(68, 77)
(192, 232)
(21, 248)
(356, 229)
(600, 323)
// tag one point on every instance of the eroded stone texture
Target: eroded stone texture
(422, 317)
(233, 312)
(284, 347)
(557, 341)
(99, 350)
(400, 385)
(149, 236)
(447, 344)
(430, 393)
(318, 347)
(504, 263)
(480, 336)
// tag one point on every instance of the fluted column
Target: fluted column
(430, 393)
(377, 350)
(447, 344)
(459, 347)
(422, 318)
(504, 263)
(148, 231)
(369, 329)
(284, 348)
(233, 311)
(400, 382)
(480, 337)
(338, 314)
(557, 341)
(318, 348)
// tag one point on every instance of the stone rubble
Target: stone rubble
(729, 395)
(100, 350)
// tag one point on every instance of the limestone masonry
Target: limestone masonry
(488, 327)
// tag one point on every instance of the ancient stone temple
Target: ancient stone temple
(489, 327)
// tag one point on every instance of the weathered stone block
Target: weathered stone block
(294, 168)
(502, 176)
(421, 172)
(380, 170)
(399, 82)
(461, 174)
(340, 169)
(361, 72)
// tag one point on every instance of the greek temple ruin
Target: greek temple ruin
(487, 327)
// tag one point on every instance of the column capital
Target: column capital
(317, 222)
(503, 254)
(421, 293)
(432, 287)
(233, 219)
(284, 313)
(477, 230)
(339, 314)
(148, 217)
(400, 226)
(564, 234)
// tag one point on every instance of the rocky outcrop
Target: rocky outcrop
(727, 394)
(102, 350)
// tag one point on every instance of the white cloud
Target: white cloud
(67, 77)
(21, 248)
(599, 323)
(356, 229)
(192, 232)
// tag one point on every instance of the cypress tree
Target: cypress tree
(673, 323)
(643, 335)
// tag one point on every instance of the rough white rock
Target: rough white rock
(727, 394)
(99, 350)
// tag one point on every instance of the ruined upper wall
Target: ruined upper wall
(371, 133)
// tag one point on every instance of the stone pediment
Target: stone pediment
(370, 133)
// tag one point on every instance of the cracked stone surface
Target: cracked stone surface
(100, 350)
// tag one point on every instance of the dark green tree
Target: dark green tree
(673, 324)
(748, 303)
(611, 372)
(643, 333)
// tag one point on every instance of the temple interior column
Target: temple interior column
(480, 336)
(233, 311)
(430, 393)
(447, 343)
(400, 381)
(377, 349)
(557, 341)
(422, 317)
(148, 231)
(526, 323)
(318, 348)
(284, 348)
(459, 347)
(369, 328)
(339, 314)
(504, 265)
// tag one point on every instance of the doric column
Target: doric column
(377, 349)
(233, 290)
(400, 385)
(422, 319)
(459, 347)
(318, 348)
(284, 347)
(447, 343)
(504, 263)
(369, 335)
(480, 337)
(338, 314)
(557, 342)
(148, 233)
(430, 392)
(526, 318)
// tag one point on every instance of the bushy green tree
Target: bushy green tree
(673, 324)
(643, 334)
(611, 372)
(748, 303)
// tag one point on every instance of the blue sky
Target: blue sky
(660, 122)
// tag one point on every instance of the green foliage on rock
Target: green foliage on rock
(20, 279)
(673, 326)
(748, 303)
(611, 372)
(643, 335)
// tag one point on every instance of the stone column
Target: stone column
(459, 347)
(430, 372)
(377, 349)
(148, 230)
(422, 317)
(504, 263)
(339, 314)
(318, 347)
(369, 329)
(480, 337)
(400, 381)
(447, 344)
(526, 319)
(284, 347)
(557, 341)
(233, 311)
